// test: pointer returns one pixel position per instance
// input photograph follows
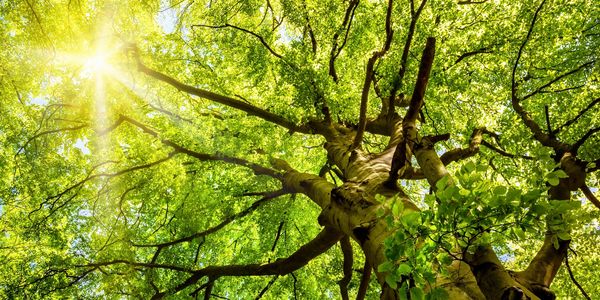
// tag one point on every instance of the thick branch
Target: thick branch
(416, 101)
(403, 151)
(459, 154)
(321, 243)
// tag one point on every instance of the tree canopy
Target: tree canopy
(246, 149)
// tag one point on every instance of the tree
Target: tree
(299, 149)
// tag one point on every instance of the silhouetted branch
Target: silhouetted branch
(259, 37)
(49, 132)
(256, 168)
(335, 50)
(228, 101)
(471, 53)
(414, 17)
(321, 243)
(471, 2)
(311, 34)
(364, 99)
(579, 115)
(538, 134)
(347, 268)
(277, 236)
(573, 278)
(266, 288)
(590, 196)
(502, 152)
(217, 227)
(551, 82)
(584, 138)
(364, 282)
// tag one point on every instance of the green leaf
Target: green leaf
(553, 181)
(403, 292)
(391, 281)
(386, 267)
(442, 183)
(416, 293)
(411, 219)
(560, 174)
(444, 258)
(404, 269)
(397, 207)
(565, 236)
(555, 242)
(500, 190)
(519, 232)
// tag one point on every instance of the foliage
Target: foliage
(101, 161)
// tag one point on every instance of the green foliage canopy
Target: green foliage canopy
(120, 174)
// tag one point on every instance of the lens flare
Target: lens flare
(97, 63)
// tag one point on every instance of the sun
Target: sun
(98, 63)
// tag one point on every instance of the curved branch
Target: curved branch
(321, 243)
(502, 152)
(538, 134)
(573, 278)
(403, 150)
(52, 201)
(364, 282)
(584, 138)
(561, 76)
(256, 168)
(521, 48)
(590, 196)
(459, 154)
(414, 17)
(217, 227)
(259, 37)
(335, 50)
(225, 100)
(579, 115)
(364, 99)
(347, 268)
(37, 135)
(136, 264)
(313, 40)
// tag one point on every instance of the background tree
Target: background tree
(299, 149)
